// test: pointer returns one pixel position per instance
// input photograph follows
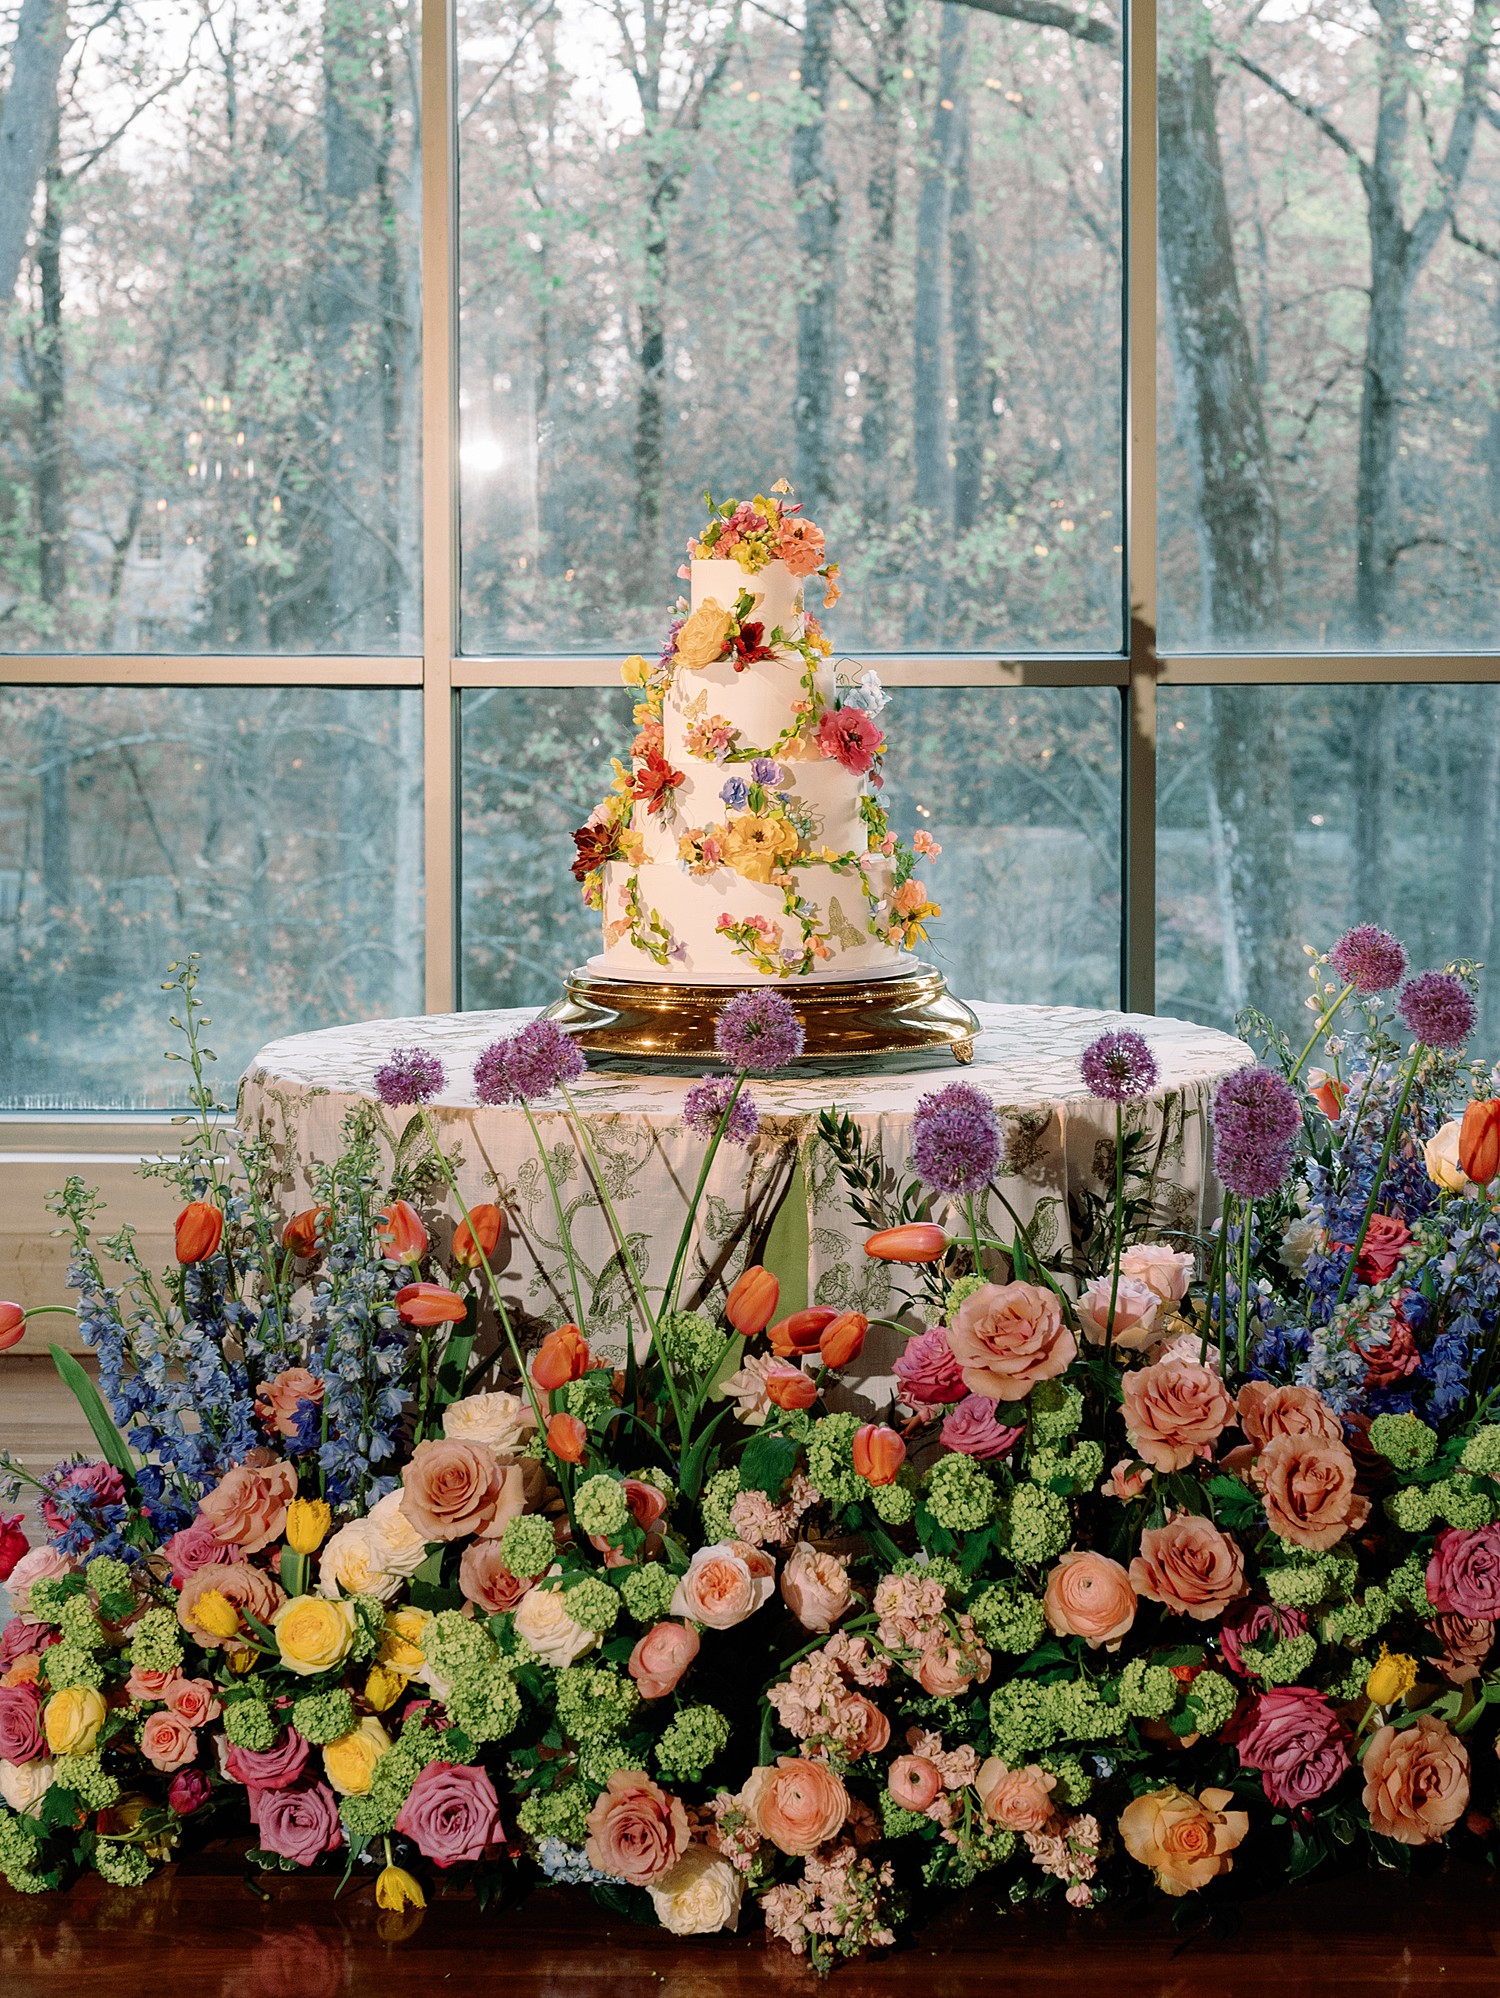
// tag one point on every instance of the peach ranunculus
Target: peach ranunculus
(451, 1489)
(243, 1587)
(704, 635)
(1166, 1271)
(277, 1400)
(1189, 1567)
(247, 1507)
(949, 1667)
(724, 1584)
(636, 1829)
(1007, 1337)
(1185, 1840)
(485, 1581)
(661, 1657)
(1416, 1781)
(800, 545)
(1267, 1411)
(1307, 1486)
(1137, 1307)
(798, 1805)
(1018, 1799)
(815, 1587)
(1091, 1597)
(1175, 1411)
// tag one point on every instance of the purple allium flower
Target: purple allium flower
(1252, 1172)
(1438, 1007)
(955, 1139)
(1119, 1066)
(409, 1075)
(705, 1104)
(1256, 1117)
(1369, 958)
(532, 1063)
(758, 1030)
(491, 1076)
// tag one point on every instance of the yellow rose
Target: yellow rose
(1440, 1154)
(73, 1719)
(1391, 1678)
(383, 1688)
(704, 635)
(754, 847)
(401, 1640)
(307, 1524)
(313, 1634)
(635, 672)
(396, 1889)
(349, 1762)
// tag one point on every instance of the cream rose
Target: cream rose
(699, 1895)
(815, 1587)
(1440, 1155)
(1137, 1307)
(556, 1638)
(1166, 1271)
(24, 1784)
(501, 1422)
(398, 1545)
(724, 1584)
(351, 1564)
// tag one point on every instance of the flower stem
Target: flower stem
(669, 1294)
(621, 1242)
(1247, 1216)
(1323, 1023)
(1114, 1277)
(562, 1220)
(1375, 1185)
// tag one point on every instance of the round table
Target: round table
(782, 1202)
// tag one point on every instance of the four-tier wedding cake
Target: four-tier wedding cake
(745, 841)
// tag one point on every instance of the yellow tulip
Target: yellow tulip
(307, 1524)
(216, 1614)
(396, 1889)
(1391, 1678)
(383, 1688)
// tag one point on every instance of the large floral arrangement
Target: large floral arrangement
(1174, 1561)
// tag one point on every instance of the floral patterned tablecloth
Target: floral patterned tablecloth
(783, 1202)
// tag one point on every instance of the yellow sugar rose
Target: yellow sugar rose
(756, 847)
(313, 1633)
(73, 1719)
(349, 1762)
(704, 635)
(401, 1640)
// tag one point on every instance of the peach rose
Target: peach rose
(453, 1489)
(636, 1830)
(798, 1805)
(1008, 1336)
(485, 1581)
(1189, 1567)
(1185, 1840)
(1307, 1485)
(247, 1507)
(1166, 1271)
(1137, 1308)
(195, 1701)
(815, 1587)
(276, 1400)
(724, 1584)
(1416, 1781)
(1267, 1412)
(238, 1583)
(1018, 1799)
(1175, 1411)
(1125, 1483)
(167, 1742)
(1089, 1596)
(661, 1657)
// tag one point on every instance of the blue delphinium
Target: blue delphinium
(363, 1364)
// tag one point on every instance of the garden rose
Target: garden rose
(1440, 1156)
(1385, 1239)
(451, 1490)
(1267, 1412)
(1189, 1567)
(72, 1719)
(196, 1546)
(1251, 1624)
(1293, 1737)
(247, 1507)
(972, 1428)
(20, 1723)
(485, 1580)
(928, 1372)
(698, 1895)
(661, 1657)
(636, 1829)
(1416, 1781)
(349, 1762)
(299, 1823)
(798, 1805)
(42, 1564)
(451, 1814)
(313, 1634)
(23, 1785)
(499, 1422)
(1185, 1840)
(556, 1638)
(350, 1562)
(1018, 1799)
(1007, 1337)
(1127, 1480)
(1167, 1272)
(194, 1700)
(1137, 1307)
(724, 1584)
(1466, 1641)
(278, 1401)
(1307, 1486)
(1091, 1597)
(273, 1768)
(815, 1587)
(1463, 1575)
(1174, 1411)
(167, 1742)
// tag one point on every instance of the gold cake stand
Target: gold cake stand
(897, 1021)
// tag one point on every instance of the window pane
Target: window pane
(279, 834)
(1021, 789)
(1288, 813)
(873, 250)
(209, 395)
(1330, 447)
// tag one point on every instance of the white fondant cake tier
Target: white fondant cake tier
(759, 703)
(777, 593)
(825, 791)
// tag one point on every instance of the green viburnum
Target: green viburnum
(1283, 1661)
(599, 1759)
(250, 1724)
(1306, 1578)
(107, 1577)
(1407, 1585)
(647, 1592)
(1482, 1451)
(1349, 1684)
(156, 1641)
(653, 1474)
(895, 1503)
(486, 1705)
(1074, 1783)
(1056, 1411)
(48, 1598)
(719, 1494)
(1413, 1508)
(595, 1701)
(1403, 1440)
(528, 1545)
(1357, 1622)
(936, 1568)
(600, 1506)
(323, 1717)
(72, 1664)
(594, 1603)
(1036, 1525)
(830, 1460)
(959, 1289)
(1008, 1617)
(457, 1648)
(1462, 1504)
(983, 1847)
(1211, 1699)
(88, 1779)
(896, 1820)
(561, 1814)
(586, 1397)
(959, 1495)
(121, 1865)
(1081, 1467)
(374, 1814)
(690, 1742)
(21, 1854)
(692, 1343)
(369, 1628)
(1147, 1692)
(1021, 1722)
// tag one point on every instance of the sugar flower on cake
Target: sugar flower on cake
(758, 847)
(850, 737)
(597, 842)
(655, 780)
(704, 635)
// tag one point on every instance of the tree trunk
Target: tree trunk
(971, 386)
(929, 403)
(1372, 727)
(57, 856)
(51, 444)
(880, 286)
(816, 197)
(650, 409)
(28, 123)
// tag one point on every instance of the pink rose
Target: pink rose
(1007, 1337)
(724, 1584)
(928, 1373)
(450, 1490)
(1189, 1567)
(1292, 1735)
(21, 1636)
(1251, 1624)
(98, 1485)
(275, 1768)
(636, 1829)
(800, 545)
(247, 1588)
(278, 1402)
(1137, 1307)
(167, 1742)
(195, 1701)
(1125, 1483)
(1018, 1799)
(1416, 1781)
(485, 1580)
(1307, 1487)
(188, 1791)
(1385, 1239)
(971, 1428)
(1166, 1271)
(1174, 1411)
(196, 1546)
(247, 1507)
(13, 1542)
(1091, 1597)
(815, 1587)
(1463, 1575)
(42, 1564)
(21, 1735)
(1466, 1642)
(143, 1686)
(1267, 1412)
(300, 1824)
(850, 737)
(661, 1657)
(451, 1813)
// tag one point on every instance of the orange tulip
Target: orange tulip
(879, 1453)
(752, 1300)
(563, 1356)
(430, 1304)
(401, 1234)
(801, 1332)
(484, 1227)
(843, 1340)
(200, 1229)
(789, 1387)
(1479, 1142)
(914, 1242)
(12, 1323)
(1329, 1096)
(300, 1234)
(566, 1438)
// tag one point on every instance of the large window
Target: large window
(362, 370)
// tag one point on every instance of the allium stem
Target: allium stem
(1114, 1278)
(1320, 1028)
(1247, 1215)
(669, 1294)
(1379, 1180)
(562, 1220)
(974, 1234)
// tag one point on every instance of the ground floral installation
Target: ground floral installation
(1175, 1561)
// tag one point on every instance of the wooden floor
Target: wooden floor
(203, 1933)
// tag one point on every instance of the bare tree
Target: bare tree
(28, 124)
(817, 197)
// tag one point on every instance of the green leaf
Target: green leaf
(734, 1353)
(768, 1462)
(116, 1450)
(453, 1369)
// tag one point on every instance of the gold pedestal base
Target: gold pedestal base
(897, 1021)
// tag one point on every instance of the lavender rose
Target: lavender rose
(971, 1428)
(276, 1768)
(299, 1824)
(1294, 1738)
(20, 1723)
(1251, 1624)
(1463, 1576)
(451, 1814)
